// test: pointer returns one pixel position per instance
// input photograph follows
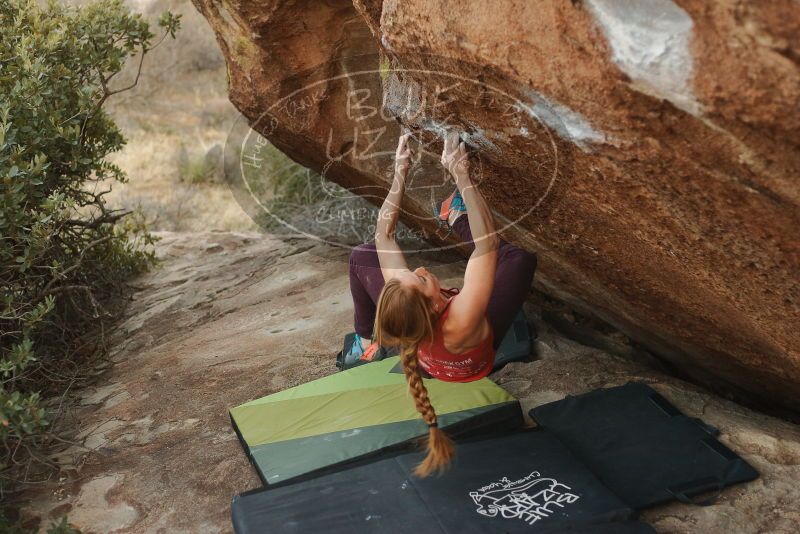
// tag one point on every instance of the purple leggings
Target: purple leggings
(512, 282)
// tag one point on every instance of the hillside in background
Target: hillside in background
(176, 121)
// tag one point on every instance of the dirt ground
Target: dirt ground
(234, 316)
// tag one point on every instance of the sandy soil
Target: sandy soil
(234, 316)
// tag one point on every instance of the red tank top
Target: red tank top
(440, 363)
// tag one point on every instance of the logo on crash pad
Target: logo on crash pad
(530, 498)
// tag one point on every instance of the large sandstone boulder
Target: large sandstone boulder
(648, 151)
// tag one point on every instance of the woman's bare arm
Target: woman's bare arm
(468, 311)
(389, 254)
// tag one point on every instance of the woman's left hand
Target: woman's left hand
(402, 158)
(455, 157)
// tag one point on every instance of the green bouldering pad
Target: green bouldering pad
(360, 414)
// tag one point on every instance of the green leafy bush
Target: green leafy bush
(63, 253)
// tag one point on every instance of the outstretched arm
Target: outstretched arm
(469, 309)
(389, 254)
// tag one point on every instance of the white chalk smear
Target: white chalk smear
(566, 122)
(385, 42)
(650, 42)
(471, 134)
(403, 99)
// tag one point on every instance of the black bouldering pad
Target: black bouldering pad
(516, 344)
(641, 446)
(522, 482)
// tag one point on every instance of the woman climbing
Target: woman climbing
(449, 334)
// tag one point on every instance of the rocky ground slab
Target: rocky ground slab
(229, 317)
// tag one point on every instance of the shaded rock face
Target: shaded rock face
(648, 151)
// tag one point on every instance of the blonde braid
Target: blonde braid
(404, 314)
(417, 387)
(439, 446)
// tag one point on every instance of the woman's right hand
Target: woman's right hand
(403, 156)
(455, 158)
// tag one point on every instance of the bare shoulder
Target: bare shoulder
(465, 313)
(459, 335)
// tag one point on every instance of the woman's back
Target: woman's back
(466, 366)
